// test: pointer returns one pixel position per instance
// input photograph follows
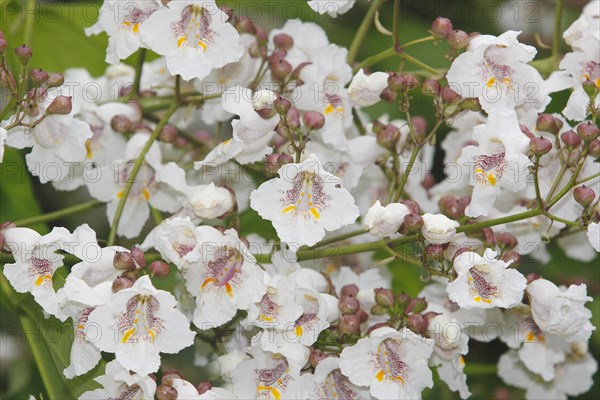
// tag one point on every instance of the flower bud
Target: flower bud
(590, 88)
(388, 95)
(434, 252)
(384, 297)
(594, 150)
(547, 123)
(395, 82)
(262, 102)
(584, 195)
(61, 105)
(402, 300)
(417, 323)
(431, 87)
(388, 137)
(410, 82)
(449, 95)
(413, 222)
(457, 39)
(23, 53)
(416, 305)
(412, 205)
(123, 260)
(540, 145)
(166, 392)
(138, 256)
(532, 277)
(280, 69)
(121, 283)
(293, 118)
(419, 125)
(313, 120)
(378, 310)
(349, 290)
(316, 357)
(204, 387)
(487, 237)
(171, 374)
(282, 105)
(245, 25)
(362, 315)
(55, 80)
(168, 133)
(428, 181)
(441, 27)
(506, 240)
(350, 324)
(513, 258)
(451, 207)
(272, 163)
(588, 131)
(159, 269)
(181, 142)
(348, 305)
(571, 139)
(38, 77)
(283, 41)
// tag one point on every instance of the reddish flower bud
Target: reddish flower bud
(588, 131)
(38, 77)
(594, 150)
(416, 305)
(395, 82)
(61, 105)
(282, 105)
(124, 261)
(449, 95)
(138, 256)
(316, 357)
(584, 195)
(435, 252)
(417, 323)
(388, 137)
(431, 87)
(458, 39)
(171, 374)
(402, 300)
(245, 25)
(419, 125)
(283, 41)
(350, 324)
(410, 82)
(23, 53)
(506, 240)
(513, 258)
(167, 134)
(451, 207)
(313, 120)
(384, 297)
(121, 283)
(388, 95)
(159, 269)
(293, 118)
(362, 315)
(348, 305)
(413, 222)
(441, 27)
(166, 392)
(547, 123)
(349, 290)
(412, 206)
(55, 80)
(571, 139)
(532, 277)
(204, 387)
(280, 69)
(540, 145)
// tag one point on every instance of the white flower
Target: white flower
(393, 363)
(573, 377)
(327, 383)
(145, 323)
(385, 221)
(263, 99)
(584, 34)
(177, 240)
(364, 90)
(304, 202)
(485, 282)
(277, 308)
(267, 376)
(495, 70)
(580, 67)
(438, 229)
(109, 183)
(561, 311)
(118, 382)
(331, 7)
(203, 201)
(225, 279)
(122, 22)
(36, 261)
(593, 235)
(499, 162)
(194, 36)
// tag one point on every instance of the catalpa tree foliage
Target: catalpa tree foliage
(267, 228)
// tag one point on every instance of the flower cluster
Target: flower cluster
(265, 280)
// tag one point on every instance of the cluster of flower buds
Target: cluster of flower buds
(133, 263)
(352, 315)
(442, 29)
(403, 310)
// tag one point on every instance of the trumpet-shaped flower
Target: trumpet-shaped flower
(119, 383)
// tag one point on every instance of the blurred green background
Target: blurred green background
(58, 42)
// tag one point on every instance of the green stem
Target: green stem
(51, 216)
(396, 32)
(589, 178)
(8, 108)
(29, 22)
(557, 28)
(480, 369)
(419, 63)
(363, 29)
(339, 238)
(136, 168)
(404, 178)
(138, 70)
(391, 52)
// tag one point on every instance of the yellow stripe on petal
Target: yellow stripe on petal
(315, 213)
(329, 109)
(380, 375)
(127, 335)
(39, 281)
(203, 45)
(288, 209)
(491, 179)
(298, 331)
(229, 290)
(490, 82)
(152, 335)
(146, 194)
(181, 41)
(207, 281)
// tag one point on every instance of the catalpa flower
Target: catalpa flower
(499, 162)
(328, 382)
(146, 323)
(561, 311)
(224, 280)
(194, 36)
(438, 229)
(331, 7)
(304, 202)
(119, 383)
(495, 70)
(580, 67)
(485, 282)
(364, 90)
(393, 363)
(36, 261)
(385, 221)
(122, 20)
